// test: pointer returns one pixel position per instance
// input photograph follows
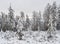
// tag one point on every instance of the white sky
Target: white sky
(25, 5)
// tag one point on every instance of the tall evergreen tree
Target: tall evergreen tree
(46, 16)
(52, 20)
(54, 15)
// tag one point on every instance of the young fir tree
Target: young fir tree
(11, 17)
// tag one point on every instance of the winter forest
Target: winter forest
(39, 29)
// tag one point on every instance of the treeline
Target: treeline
(50, 21)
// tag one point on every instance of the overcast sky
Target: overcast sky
(25, 5)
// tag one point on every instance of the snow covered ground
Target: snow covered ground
(36, 37)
